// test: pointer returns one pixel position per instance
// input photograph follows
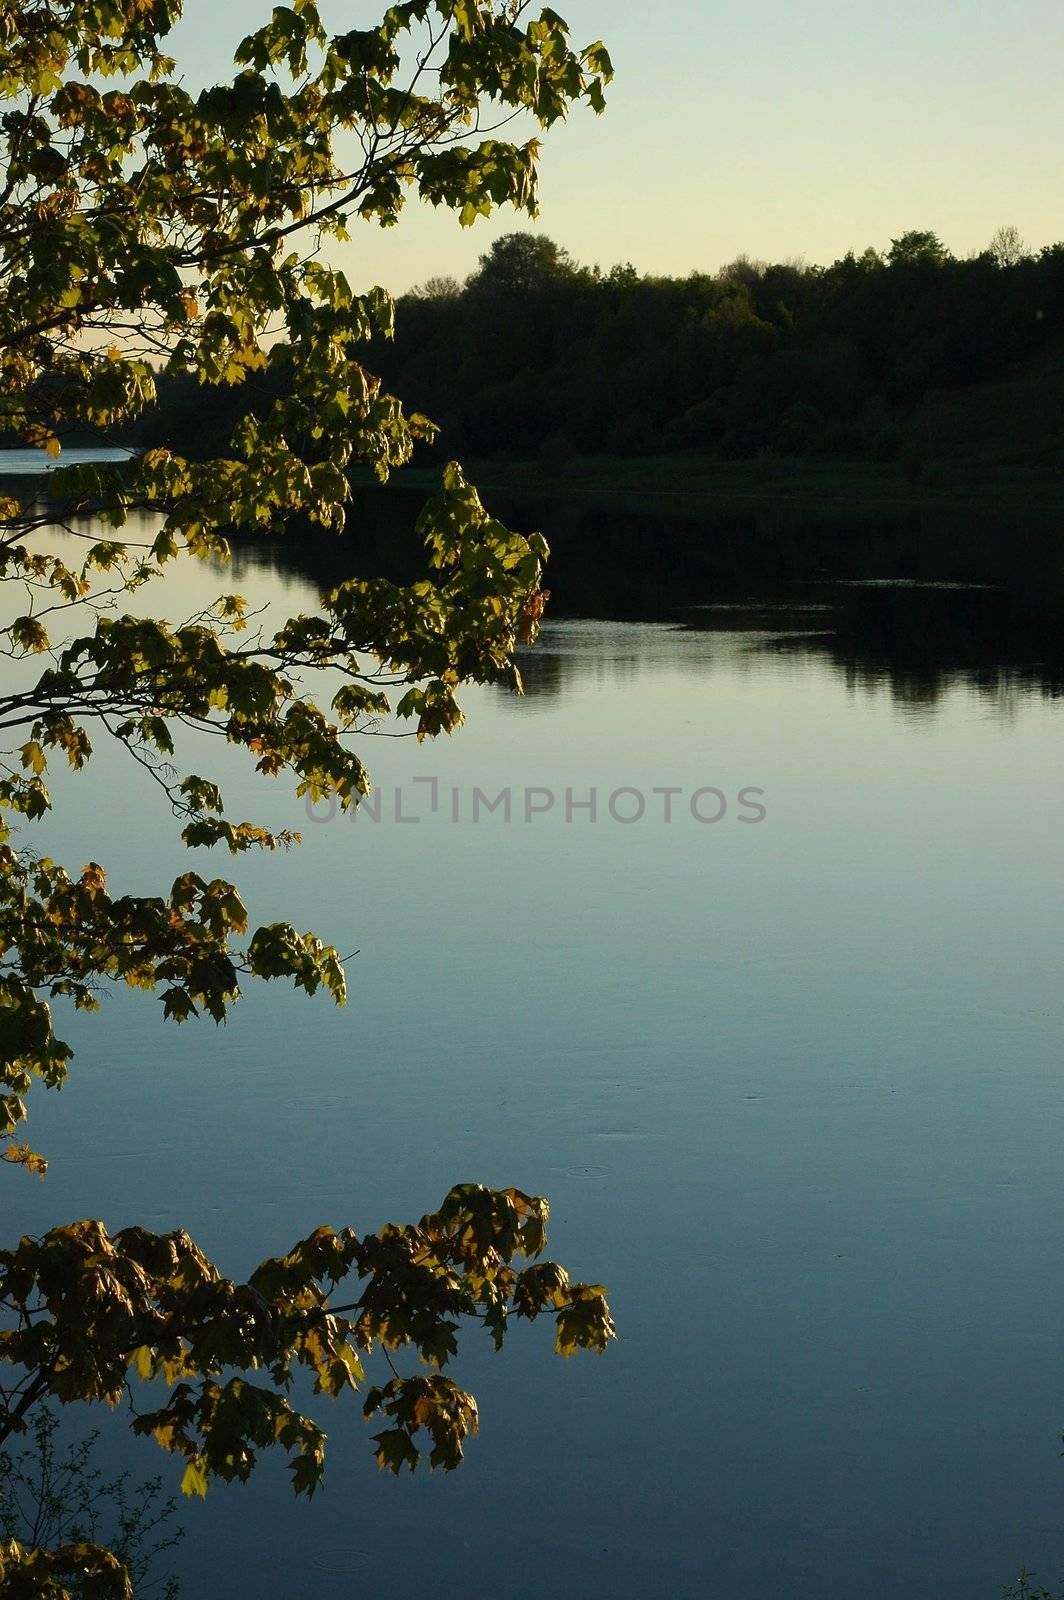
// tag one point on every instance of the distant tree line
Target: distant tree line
(910, 355)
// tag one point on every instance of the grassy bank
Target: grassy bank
(687, 482)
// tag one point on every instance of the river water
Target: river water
(777, 1028)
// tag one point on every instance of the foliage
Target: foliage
(69, 1572)
(520, 264)
(51, 1497)
(918, 248)
(149, 235)
(92, 1312)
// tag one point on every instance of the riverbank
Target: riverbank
(688, 482)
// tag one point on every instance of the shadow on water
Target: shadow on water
(919, 603)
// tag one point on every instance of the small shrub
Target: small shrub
(1025, 1588)
(52, 1495)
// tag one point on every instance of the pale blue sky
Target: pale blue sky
(778, 129)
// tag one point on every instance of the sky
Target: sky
(777, 129)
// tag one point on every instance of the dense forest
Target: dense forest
(911, 356)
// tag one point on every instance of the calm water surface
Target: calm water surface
(794, 1088)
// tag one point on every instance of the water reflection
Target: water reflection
(920, 641)
(921, 605)
(918, 652)
(921, 602)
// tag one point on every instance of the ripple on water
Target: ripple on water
(339, 1561)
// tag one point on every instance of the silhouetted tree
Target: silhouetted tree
(1007, 247)
(918, 248)
(521, 262)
